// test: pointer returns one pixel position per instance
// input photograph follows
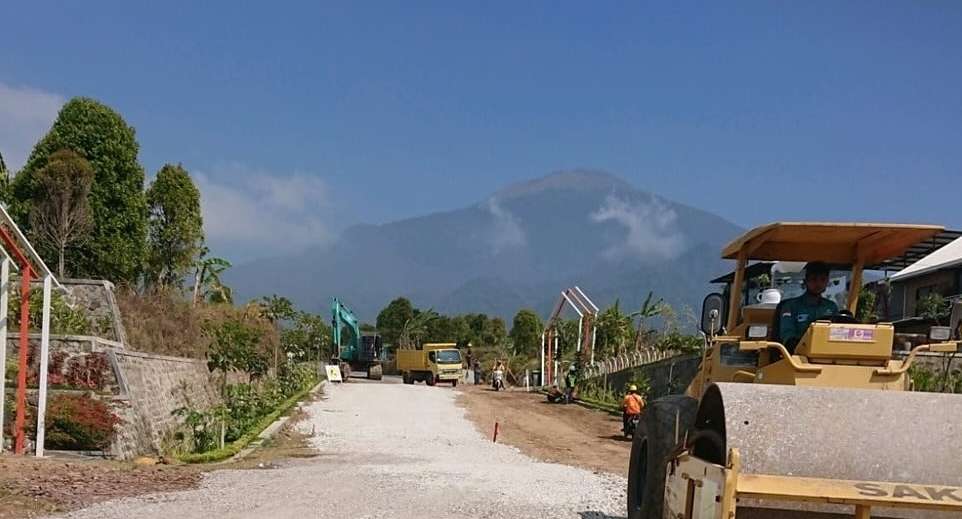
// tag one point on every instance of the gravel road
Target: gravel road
(390, 451)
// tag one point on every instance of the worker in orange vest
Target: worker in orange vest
(631, 406)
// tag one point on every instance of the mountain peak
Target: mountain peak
(571, 180)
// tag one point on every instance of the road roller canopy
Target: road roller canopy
(872, 244)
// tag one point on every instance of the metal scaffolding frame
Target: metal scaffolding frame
(18, 252)
(587, 312)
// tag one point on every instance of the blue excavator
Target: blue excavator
(359, 352)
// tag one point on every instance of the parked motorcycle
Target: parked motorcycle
(497, 380)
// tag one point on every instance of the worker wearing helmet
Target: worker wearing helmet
(795, 314)
(631, 406)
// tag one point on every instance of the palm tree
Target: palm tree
(647, 311)
(207, 282)
(415, 328)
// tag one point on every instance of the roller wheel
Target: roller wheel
(374, 372)
(653, 441)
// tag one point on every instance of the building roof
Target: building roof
(948, 256)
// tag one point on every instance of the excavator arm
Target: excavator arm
(342, 316)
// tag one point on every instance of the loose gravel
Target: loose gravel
(386, 451)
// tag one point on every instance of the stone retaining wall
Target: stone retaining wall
(143, 389)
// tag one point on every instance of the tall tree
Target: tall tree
(175, 226)
(526, 332)
(60, 214)
(117, 244)
(4, 181)
(390, 321)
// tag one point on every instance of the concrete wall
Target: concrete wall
(96, 298)
(668, 376)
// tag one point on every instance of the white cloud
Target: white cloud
(25, 116)
(254, 213)
(506, 232)
(652, 233)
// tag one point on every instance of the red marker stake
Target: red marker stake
(496, 426)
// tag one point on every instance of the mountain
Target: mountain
(517, 248)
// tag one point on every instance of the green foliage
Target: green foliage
(64, 320)
(207, 283)
(231, 449)
(390, 321)
(60, 215)
(308, 338)
(4, 181)
(175, 226)
(928, 380)
(79, 422)
(648, 310)
(933, 306)
(234, 347)
(614, 331)
(116, 246)
(526, 332)
(276, 308)
(866, 311)
(416, 328)
(247, 410)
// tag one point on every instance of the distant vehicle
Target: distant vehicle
(497, 380)
(431, 363)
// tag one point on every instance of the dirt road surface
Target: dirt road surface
(568, 434)
(390, 451)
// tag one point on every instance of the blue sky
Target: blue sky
(310, 116)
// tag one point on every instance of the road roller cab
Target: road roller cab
(828, 426)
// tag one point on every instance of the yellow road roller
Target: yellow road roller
(822, 424)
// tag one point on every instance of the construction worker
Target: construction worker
(631, 406)
(795, 314)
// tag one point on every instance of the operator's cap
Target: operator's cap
(572, 368)
(817, 268)
(632, 388)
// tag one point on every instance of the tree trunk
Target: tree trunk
(197, 277)
(60, 265)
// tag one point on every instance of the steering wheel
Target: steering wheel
(843, 317)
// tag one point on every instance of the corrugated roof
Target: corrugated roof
(948, 256)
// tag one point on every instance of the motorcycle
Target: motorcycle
(497, 380)
(631, 425)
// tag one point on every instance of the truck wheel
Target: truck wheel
(653, 442)
(454, 383)
(430, 380)
(406, 378)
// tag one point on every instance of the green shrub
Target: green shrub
(64, 320)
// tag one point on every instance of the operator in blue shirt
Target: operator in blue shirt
(795, 314)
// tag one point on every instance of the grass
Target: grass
(238, 445)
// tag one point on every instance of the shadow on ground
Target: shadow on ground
(599, 515)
